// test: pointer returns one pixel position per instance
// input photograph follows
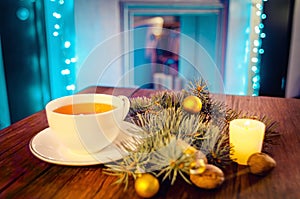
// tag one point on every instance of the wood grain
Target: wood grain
(24, 176)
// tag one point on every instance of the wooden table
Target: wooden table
(24, 176)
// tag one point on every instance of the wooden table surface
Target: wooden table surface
(22, 175)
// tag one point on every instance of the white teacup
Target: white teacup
(87, 133)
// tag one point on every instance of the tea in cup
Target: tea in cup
(87, 123)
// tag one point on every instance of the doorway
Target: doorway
(162, 58)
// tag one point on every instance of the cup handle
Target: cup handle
(126, 105)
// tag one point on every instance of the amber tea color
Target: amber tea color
(84, 108)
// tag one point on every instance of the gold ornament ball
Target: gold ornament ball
(146, 186)
(197, 167)
(192, 104)
(190, 151)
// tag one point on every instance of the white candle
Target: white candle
(246, 136)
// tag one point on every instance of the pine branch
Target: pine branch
(170, 130)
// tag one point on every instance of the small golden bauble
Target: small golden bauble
(198, 166)
(260, 163)
(200, 155)
(192, 104)
(146, 185)
(211, 178)
(192, 151)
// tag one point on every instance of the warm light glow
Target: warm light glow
(246, 136)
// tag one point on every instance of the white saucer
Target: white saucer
(46, 147)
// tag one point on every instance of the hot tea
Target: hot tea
(84, 108)
(87, 123)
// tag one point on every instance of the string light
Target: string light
(70, 87)
(65, 72)
(67, 44)
(56, 26)
(55, 33)
(257, 35)
(67, 61)
(254, 69)
(61, 48)
(56, 15)
(254, 59)
(73, 59)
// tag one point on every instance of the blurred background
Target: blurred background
(45, 43)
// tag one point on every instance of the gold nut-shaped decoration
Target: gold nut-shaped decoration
(260, 163)
(211, 178)
(192, 104)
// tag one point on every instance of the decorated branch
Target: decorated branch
(184, 134)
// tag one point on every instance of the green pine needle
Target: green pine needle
(170, 130)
